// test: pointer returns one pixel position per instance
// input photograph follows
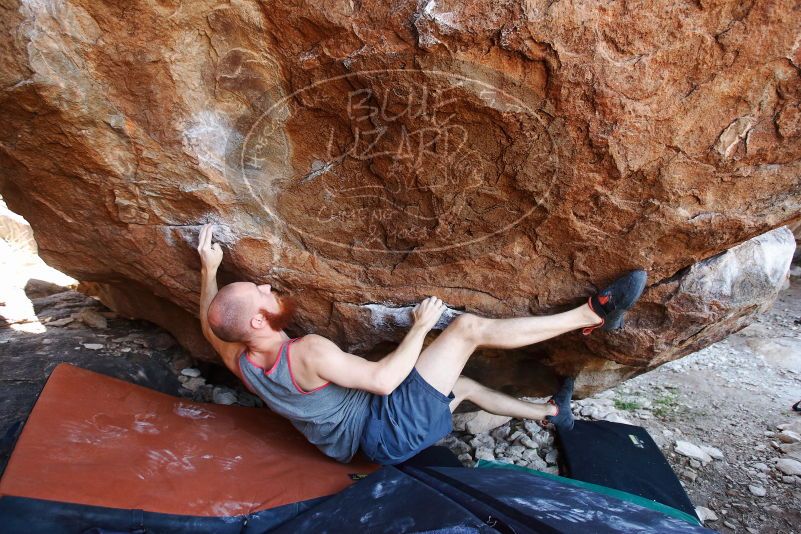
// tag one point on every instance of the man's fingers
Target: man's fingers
(201, 238)
(432, 301)
(204, 239)
(209, 234)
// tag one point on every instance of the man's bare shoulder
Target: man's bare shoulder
(319, 350)
(317, 343)
(313, 355)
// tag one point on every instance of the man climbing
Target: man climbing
(401, 404)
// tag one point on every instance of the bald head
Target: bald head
(231, 310)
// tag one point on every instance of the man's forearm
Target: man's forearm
(397, 365)
(208, 289)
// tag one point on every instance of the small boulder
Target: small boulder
(757, 491)
(528, 442)
(515, 451)
(537, 463)
(224, 396)
(517, 434)
(484, 453)
(788, 436)
(533, 428)
(715, 453)
(459, 420)
(482, 440)
(501, 433)
(543, 440)
(483, 422)
(500, 448)
(193, 384)
(92, 319)
(692, 451)
(598, 413)
(790, 448)
(466, 459)
(789, 467)
(705, 514)
(61, 322)
(795, 426)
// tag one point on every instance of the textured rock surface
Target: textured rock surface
(505, 156)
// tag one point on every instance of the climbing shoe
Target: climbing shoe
(563, 420)
(612, 303)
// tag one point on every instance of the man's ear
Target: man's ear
(258, 321)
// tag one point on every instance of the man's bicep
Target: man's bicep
(348, 370)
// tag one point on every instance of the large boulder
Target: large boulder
(508, 157)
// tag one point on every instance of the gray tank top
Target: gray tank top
(330, 416)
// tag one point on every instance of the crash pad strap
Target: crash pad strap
(611, 492)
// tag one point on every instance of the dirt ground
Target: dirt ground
(731, 396)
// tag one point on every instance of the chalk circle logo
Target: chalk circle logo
(398, 162)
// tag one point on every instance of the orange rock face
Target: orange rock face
(504, 156)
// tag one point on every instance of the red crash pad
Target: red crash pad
(95, 440)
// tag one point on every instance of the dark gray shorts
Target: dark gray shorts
(406, 421)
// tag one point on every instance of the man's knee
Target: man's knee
(465, 388)
(468, 326)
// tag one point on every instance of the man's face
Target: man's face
(277, 311)
(266, 299)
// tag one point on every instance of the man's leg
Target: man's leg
(441, 363)
(496, 402)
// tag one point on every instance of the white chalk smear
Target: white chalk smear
(144, 427)
(206, 137)
(384, 316)
(192, 412)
